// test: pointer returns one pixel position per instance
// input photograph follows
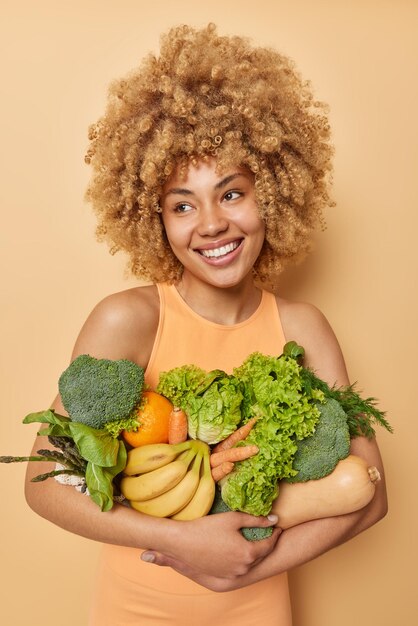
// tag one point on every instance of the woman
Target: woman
(210, 169)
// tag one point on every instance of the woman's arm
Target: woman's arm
(299, 544)
(302, 543)
(204, 541)
(124, 326)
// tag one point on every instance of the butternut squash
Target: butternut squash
(350, 487)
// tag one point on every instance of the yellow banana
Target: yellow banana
(152, 484)
(174, 499)
(150, 457)
(202, 500)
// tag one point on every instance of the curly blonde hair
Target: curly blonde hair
(205, 96)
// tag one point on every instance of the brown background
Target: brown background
(57, 59)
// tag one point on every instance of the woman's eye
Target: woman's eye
(232, 195)
(183, 207)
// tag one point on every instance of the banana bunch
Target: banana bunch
(166, 480)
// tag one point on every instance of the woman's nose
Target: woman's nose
(212, 221)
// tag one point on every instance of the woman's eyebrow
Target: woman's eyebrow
(227, 180)
(183, 191)
(179, 190)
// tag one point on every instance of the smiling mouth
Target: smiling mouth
(215, 253)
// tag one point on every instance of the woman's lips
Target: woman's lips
(219, 254)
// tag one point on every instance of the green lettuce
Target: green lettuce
(287, 413)
(211, 400)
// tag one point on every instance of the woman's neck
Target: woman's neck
(226, 305)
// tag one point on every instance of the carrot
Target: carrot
(177, 426)
(233, 454)
(222, 470)
(237, 435)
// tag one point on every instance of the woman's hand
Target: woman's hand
(213, 546)
(214, 583)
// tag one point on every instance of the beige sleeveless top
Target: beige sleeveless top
(185, 337)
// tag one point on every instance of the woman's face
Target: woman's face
(212, 223)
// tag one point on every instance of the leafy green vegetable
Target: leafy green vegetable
(98, 391)
(99, 479)
(177, 383)
(86, 451)
(318, 454)
(47, 417)
(93, 444)
(293, 350)
(303, 425)
(96, 446)
(287, 398)
(211, 401)
(286, 414)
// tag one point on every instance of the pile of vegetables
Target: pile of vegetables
(302, 425)
(101, 397)
(270, 426)
(211, 400)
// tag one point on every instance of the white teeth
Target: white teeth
(215, 252)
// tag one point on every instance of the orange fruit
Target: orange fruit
(152, 417)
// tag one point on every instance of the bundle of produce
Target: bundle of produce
(300, 425)
(176, 479)
(120, 440)
(256, 431)
(102, 397)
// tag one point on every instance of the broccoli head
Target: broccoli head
(318, 454)
(98, 391)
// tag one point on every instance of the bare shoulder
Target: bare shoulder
(122, 325)
(307, 325)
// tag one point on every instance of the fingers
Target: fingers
(215, 577)
(250, 521)
(149, 557)
(159, 559)
(210, 582)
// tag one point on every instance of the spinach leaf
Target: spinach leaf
(58, 424)
(46, 417)
(99, 479)
(96, 446)
(105, 456)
